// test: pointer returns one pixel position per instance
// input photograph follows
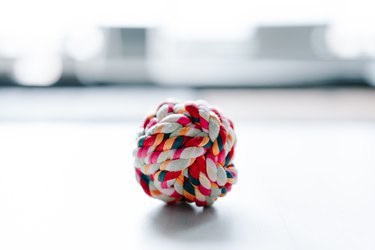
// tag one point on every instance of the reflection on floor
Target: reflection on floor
(124, 104)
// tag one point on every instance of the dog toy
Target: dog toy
(184, 153)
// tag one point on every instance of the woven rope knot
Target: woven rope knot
(184, 153)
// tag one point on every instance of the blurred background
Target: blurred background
(83, 51)
(296, 77)
(168, 43)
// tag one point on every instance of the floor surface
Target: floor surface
(67, 178)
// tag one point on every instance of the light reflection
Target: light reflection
(38, 69)
(85, 43)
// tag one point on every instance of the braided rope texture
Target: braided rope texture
(184, 153)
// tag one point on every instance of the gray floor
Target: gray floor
(305, 159)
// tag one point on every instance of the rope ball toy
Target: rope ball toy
(184, 153)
